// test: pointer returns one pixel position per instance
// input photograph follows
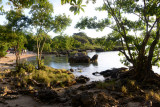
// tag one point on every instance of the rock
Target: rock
(99, 50)
(96, 73)
(134, 104)
(46, 95)
(94, 58)
(156, 104)
(93, 99)
(103, 100)
(79, 59)
(71, 70)
(62, 100)
(114, 73)
(85, 99)
(10, 97)
(80, 54)
(86, 87)
(82, 79)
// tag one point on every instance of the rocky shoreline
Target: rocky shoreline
(117, 91)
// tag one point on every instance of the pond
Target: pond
(106, 60)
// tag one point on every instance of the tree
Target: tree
(17, 22)
(148, 12)
(43, 22)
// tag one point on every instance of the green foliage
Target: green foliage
(62, 42)
(46, 75)
(23, 3)
(144, 48)
(3, 49)
(47, 47)
(31, 42)
(92, 23)
(61, 22)
(76, 5)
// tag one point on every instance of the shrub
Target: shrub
(3, 49)
(154, 95)
(46, 75)
(124, 89)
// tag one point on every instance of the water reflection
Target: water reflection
(106, 60)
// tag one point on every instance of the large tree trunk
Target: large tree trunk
(143, 69)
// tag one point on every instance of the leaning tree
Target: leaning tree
(145, 49)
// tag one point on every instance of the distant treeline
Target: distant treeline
(79, 41)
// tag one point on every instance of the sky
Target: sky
(89, 11)
(60, 9)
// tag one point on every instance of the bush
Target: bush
(3, 49)
(46, 75)
(124, 89)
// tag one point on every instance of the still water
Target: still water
(106, 60)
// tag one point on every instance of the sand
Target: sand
(8, 62)
(10, 58)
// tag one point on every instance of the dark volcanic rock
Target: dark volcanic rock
(82, 58)
(79, 59)
(99, 50)
(93, 99)
(85, 99)
(82, 79)
(46, 96)
(113, 73)
(94, 58)
(71, 70)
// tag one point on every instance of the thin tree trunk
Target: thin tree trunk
(38, 60)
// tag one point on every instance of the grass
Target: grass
(104, 85)
(132, 83)
(153, 95)
(48, 76)
(124, 89)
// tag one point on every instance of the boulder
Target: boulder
(71, 70)
(82, 79)
(85, 99)
(113, 73)
(99, 50)
(94, 58)
(93, 99)
(46, 95)
(79, 59)
(96, 73)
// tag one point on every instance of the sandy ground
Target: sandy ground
(10, 58)
(8, 62)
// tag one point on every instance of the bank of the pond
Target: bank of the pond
(121, 92)
(8, 62)
(106, 60)
(10, 58)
